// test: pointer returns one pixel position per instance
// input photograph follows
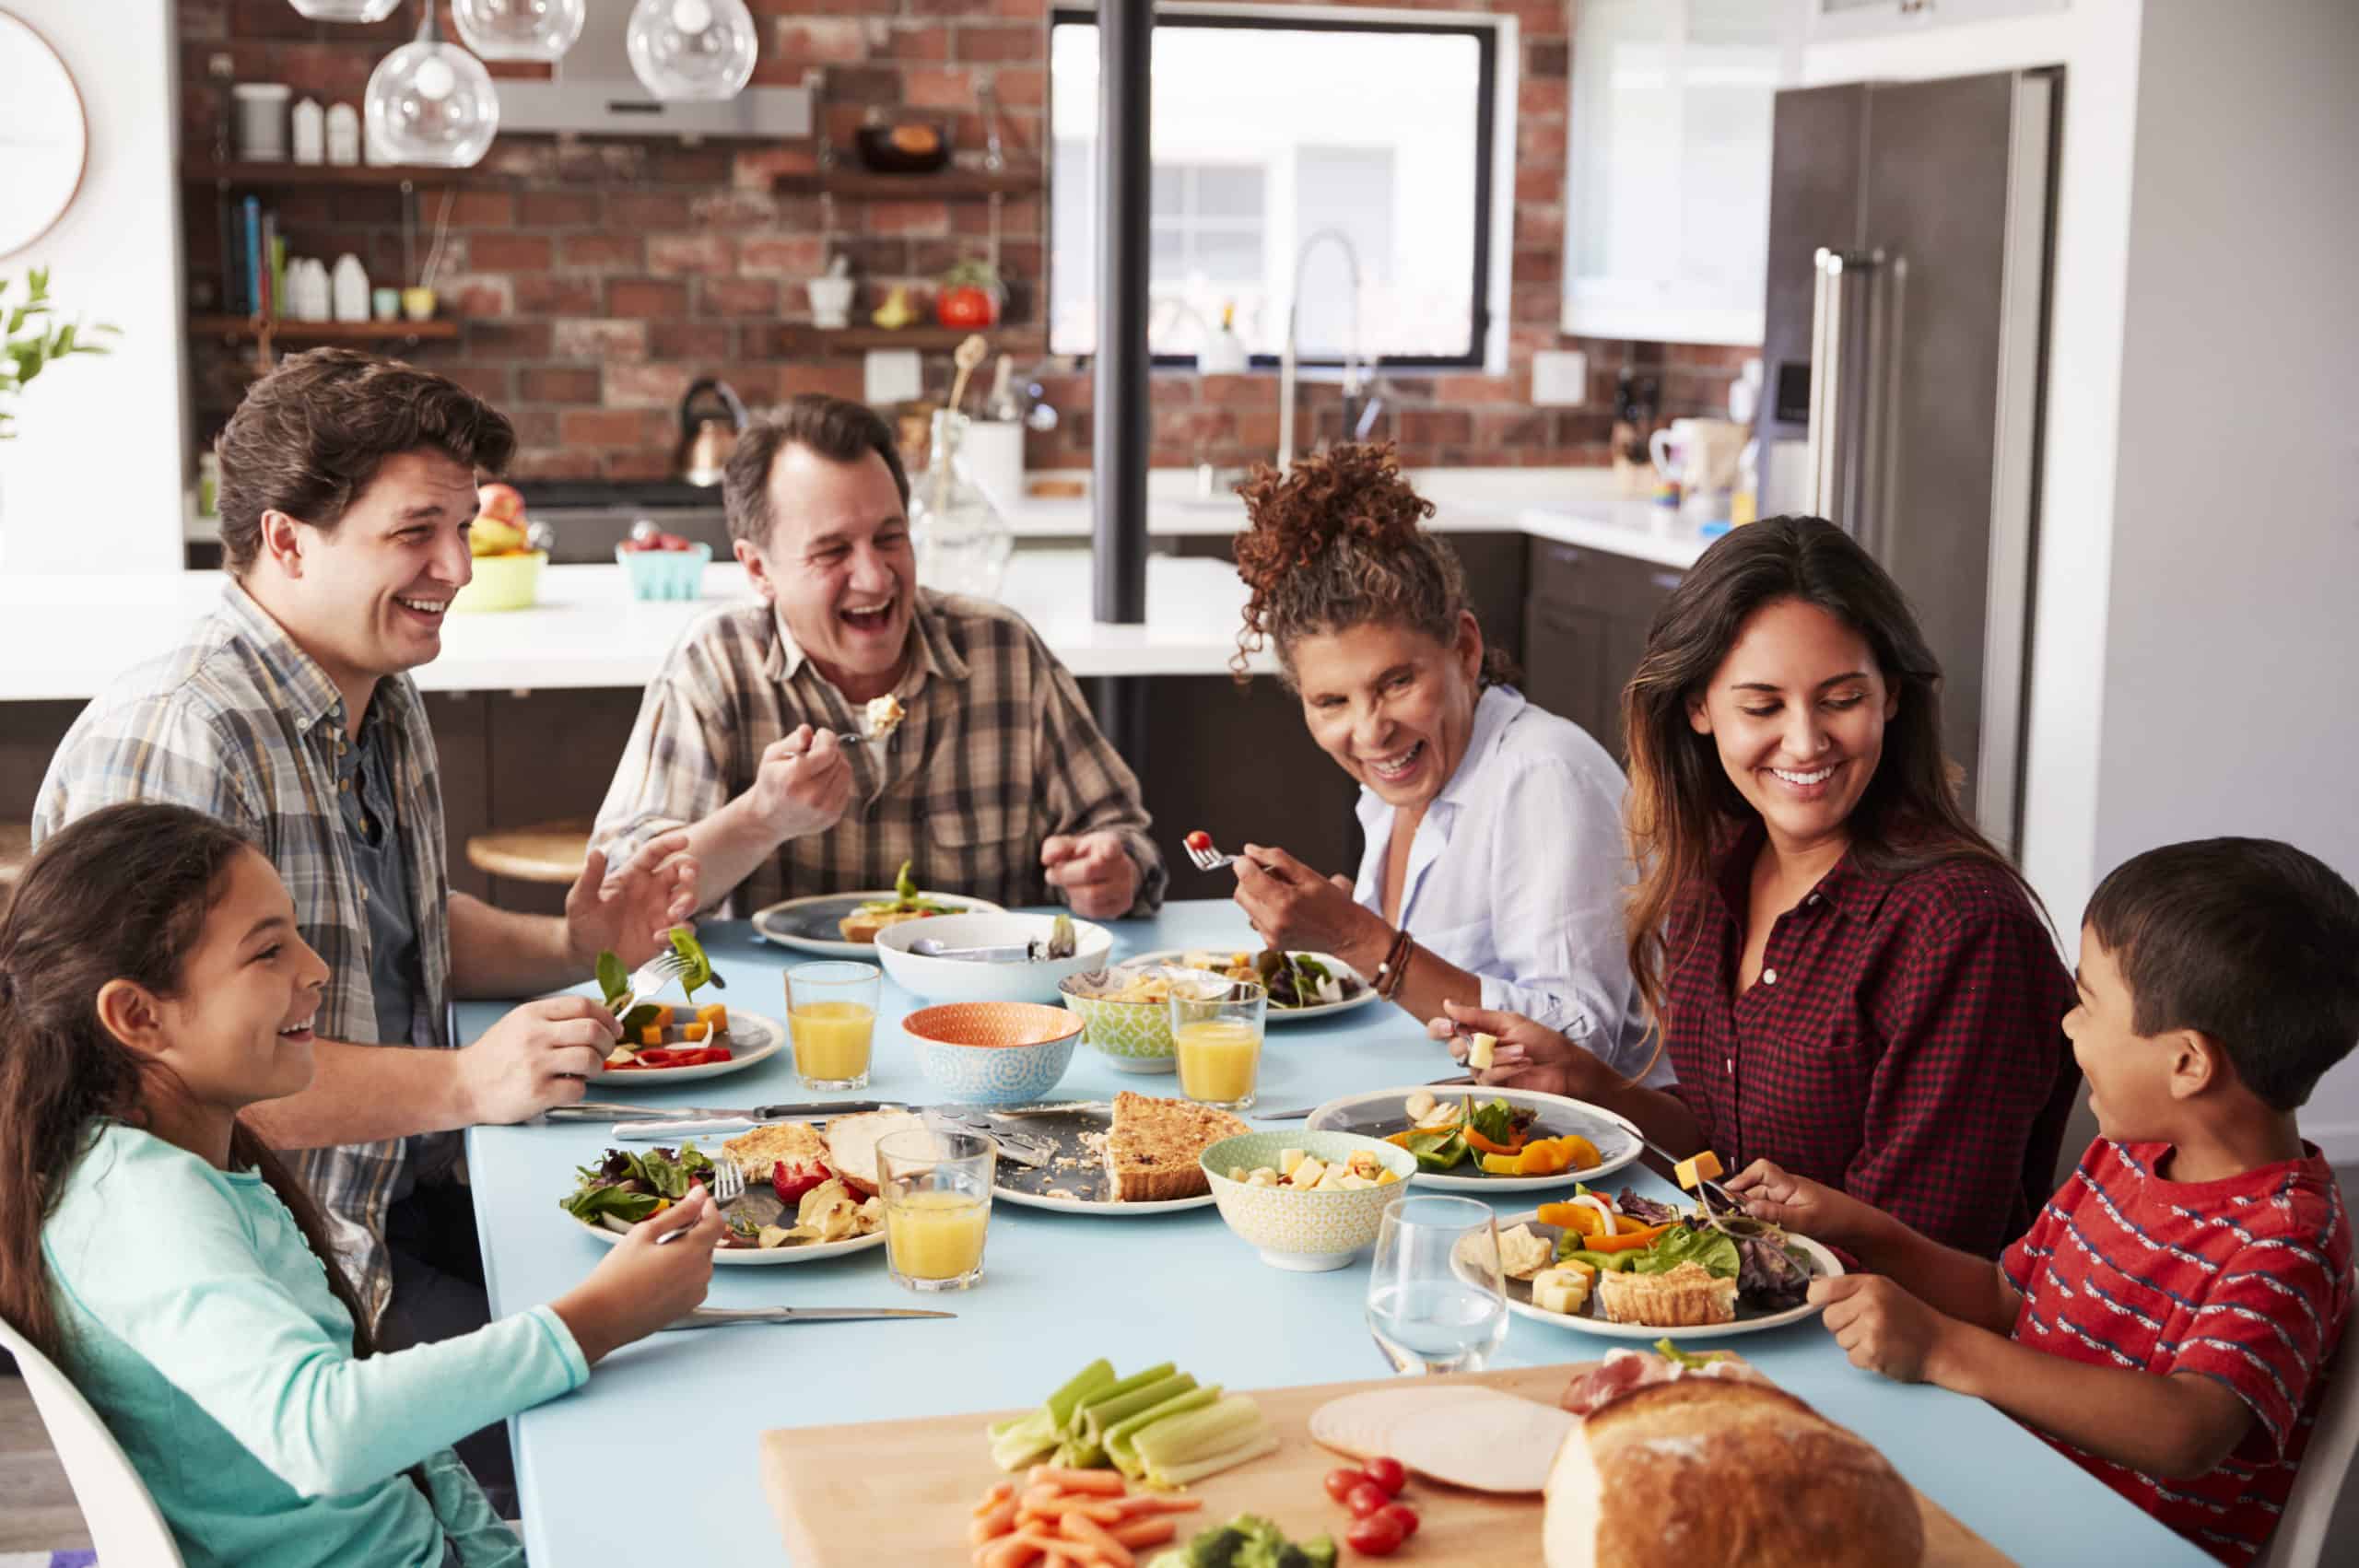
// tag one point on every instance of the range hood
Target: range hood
(592, 90)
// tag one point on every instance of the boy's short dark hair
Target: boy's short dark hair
(2249, 941)
(835, 427)
(310, 435)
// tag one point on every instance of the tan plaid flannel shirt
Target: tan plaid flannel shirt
(997, 753)
(242, 724)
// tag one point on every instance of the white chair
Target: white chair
(2300, 1541)
(125, 1528)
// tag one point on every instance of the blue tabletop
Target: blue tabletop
(1062, 1289)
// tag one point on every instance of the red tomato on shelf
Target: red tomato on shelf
(965, 305)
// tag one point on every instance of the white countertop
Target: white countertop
(67, 637)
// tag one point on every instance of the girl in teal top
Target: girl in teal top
(153, 985)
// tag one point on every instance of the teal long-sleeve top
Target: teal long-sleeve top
(200, 1327)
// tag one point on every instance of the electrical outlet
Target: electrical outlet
(1560, 377)
(891, 375)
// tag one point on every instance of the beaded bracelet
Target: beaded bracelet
(1395, 967)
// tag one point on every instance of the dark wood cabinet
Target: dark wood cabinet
(1585, 630)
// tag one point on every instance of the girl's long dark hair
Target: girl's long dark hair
(1682, 808)
(122, 893)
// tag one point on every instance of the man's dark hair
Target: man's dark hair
(310, 435)
(835, 427)
(2247, 940)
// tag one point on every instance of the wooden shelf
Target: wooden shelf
(1019, 338)
(284, 175)
(242, 329)
(943, 184)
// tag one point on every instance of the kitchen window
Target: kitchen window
(1271, 128)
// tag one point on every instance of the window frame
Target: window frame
(1496, 88)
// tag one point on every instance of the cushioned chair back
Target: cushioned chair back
(124, 1525)
(2300, 1541)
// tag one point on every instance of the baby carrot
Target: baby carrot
(1145, 1532)
(1081, 1527)
(998, 1522)
(1013, 1551)
(997, 1493)
(1108, 1482)
(1058, 1548)
(1148, 1502)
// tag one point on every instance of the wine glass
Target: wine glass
(1435, 1299)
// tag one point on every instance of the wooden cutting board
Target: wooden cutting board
(901, 1492)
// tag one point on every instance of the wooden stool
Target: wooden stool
(549, 852)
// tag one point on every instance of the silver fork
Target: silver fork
(728, 1186)
(650, 978)
(1207, 859)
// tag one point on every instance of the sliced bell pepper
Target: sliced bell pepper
(657, 1057)
(1579, 1218)
(1484, 1146)
(1503, 1165)
(1626, 1240)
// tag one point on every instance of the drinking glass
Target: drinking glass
(937, 1191)
(832, 1012)
(1218, 1041)
(1437, 1301)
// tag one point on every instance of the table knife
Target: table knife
(723, 1317)
(607, 1110)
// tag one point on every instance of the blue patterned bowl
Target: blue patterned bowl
(993, 1053)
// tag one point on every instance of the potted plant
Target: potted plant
(970, 296)
(28, 342)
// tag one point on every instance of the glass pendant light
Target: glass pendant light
(431, 102)
(692, 49)
(519, 29)
(345, 10)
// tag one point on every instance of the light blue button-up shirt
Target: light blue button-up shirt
(1517, 875)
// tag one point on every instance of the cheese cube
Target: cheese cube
(1564, 1289)
(1306, 1172)
(1352, 1182)
(1483, 1052)
(1287, 1160)
(1238, 1173)
(1333, 1180)
(1701, 1168)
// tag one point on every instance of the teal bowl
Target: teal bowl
(665, 574)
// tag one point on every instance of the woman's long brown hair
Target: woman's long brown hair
(1683, 809)
(122, 893)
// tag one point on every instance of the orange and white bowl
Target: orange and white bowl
(993, 1053)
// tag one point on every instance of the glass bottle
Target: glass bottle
(963, 542)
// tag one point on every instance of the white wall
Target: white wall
(93, 481)
(2233, 632)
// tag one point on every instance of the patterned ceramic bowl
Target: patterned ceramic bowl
(1133, 1037)
(993, 1053)
(1307, 1232)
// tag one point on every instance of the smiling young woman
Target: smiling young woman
(1846, 974)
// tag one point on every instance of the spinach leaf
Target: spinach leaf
(700, 970)
(631, 1206)
(638, 1018)
(1494, 1119)
(1439, 1150)
(905, 886)
(613, 982)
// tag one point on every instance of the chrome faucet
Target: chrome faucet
(1352, 372)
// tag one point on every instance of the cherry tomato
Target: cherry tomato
(1200, 839)
(1339, 1483)
(1388, 1474)
(1379, 1535)
(1366, 1498)
(1402, 1514)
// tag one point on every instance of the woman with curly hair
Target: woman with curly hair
(1853, 981)
(1493, 828)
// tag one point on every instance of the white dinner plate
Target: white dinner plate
(1074, 1141)
(1747, 1321)
(1089, 1205)
(1379, 1114)
(765, 1038)
(1274, 1014)
(812, 924)
(744, 1256)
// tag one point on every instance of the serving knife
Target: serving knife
(726, 1317)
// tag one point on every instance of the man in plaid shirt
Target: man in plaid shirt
(348, 489)
(996, 782)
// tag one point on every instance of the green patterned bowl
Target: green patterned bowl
(1133, 1037)
(1305, 1232)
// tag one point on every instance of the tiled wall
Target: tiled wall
(596, 279)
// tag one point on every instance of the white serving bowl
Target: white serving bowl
(963, 979)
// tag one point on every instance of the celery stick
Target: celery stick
(1070, 1420)
(1097, 1419)
(1237, 1453)
(1185, 1437)
(1119, 1444)
(1023, 1442)
(1097, 1375)
(1002, 1428)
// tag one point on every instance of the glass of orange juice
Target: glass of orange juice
(937, 1191)
(832, 1012)
(1218, 1040)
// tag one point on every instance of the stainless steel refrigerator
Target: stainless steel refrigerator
(1906, 339)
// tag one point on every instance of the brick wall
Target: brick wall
(595, 279)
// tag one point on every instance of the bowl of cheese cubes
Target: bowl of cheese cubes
(1305, 1202)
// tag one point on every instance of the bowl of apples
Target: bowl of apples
(661, 565)
(508, 554)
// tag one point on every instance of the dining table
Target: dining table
(657, 1456)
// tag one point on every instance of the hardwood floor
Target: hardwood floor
(37, 1510)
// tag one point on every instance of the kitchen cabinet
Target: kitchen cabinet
(1667, 183)
(1832, 21)
(1585, 630)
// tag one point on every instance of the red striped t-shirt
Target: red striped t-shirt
(2246, 1280)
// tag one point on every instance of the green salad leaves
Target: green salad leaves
(631, 1185)
(1716, 1252)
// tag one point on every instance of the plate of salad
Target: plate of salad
(1301, 985)
(826, 923)
(1693, 1252)
(1488, 1140)
(806, 1218)
(679, 1042)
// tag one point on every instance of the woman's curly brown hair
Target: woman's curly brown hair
(1336, 541)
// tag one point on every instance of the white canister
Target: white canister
(350, 283)
(311, 133)
(344, 135)
(993, 453)
(262, 120)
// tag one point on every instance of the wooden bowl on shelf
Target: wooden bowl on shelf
(903, 149)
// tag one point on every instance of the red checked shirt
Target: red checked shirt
(1904, 1043)
(2246, 1280)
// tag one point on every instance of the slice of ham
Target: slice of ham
(1623, 1372)
(1462, 1434)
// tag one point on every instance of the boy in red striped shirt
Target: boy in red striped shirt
(2169, 1320)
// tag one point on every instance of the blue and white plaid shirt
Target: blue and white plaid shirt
(241, 723)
